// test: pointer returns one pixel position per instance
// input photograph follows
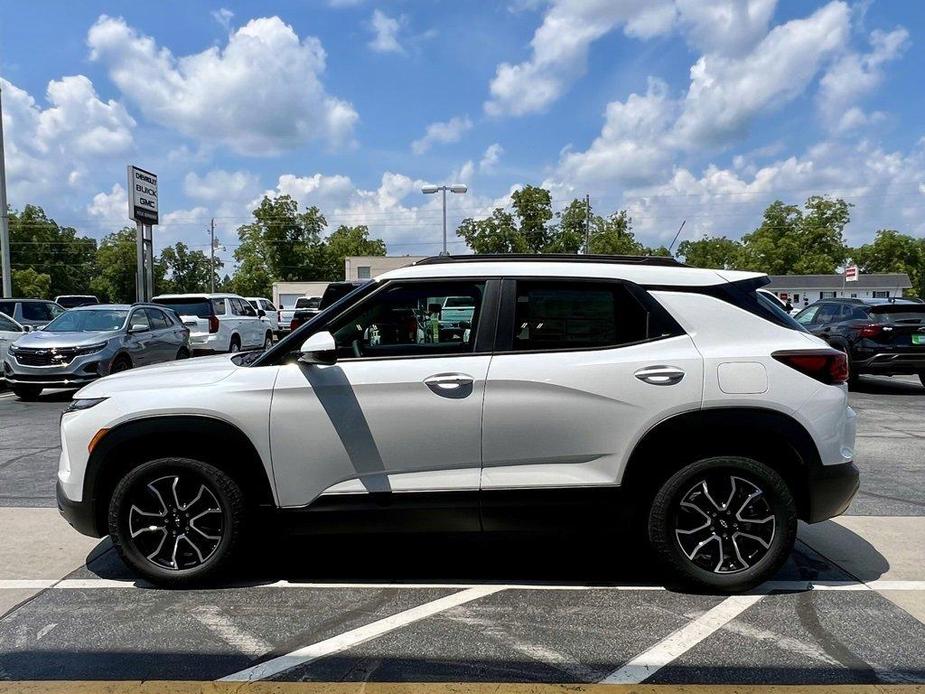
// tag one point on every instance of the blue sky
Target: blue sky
(672, 109)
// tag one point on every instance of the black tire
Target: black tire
(120, 363)
(183, 353)
(235, 344)
(268, 341)
(27, 393)
(193, 563)
(922, 377)
(729, 528)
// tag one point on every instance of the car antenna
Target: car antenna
(676, 236)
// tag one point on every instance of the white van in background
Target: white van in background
(220, 322)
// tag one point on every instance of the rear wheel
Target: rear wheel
(27, 393)
(183, 353)
(724, 523)
(268, 341)
(235, 345)
(177, 521)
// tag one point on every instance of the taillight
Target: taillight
(213, 324)
(870, 330)
(827, 366)
(279, 316)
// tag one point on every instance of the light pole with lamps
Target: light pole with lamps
(455, 188)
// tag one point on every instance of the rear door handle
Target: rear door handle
(660, 375)
(449, 384)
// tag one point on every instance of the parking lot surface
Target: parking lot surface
(848, 608)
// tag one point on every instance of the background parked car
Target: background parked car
(10, 331)
(35, 313)
(261, 304)
(92, 341)
(334, 292)
(306, 305)
(75, 300)
(220, 322)
(880, 336)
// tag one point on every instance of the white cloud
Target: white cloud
(259, 94)
(491, 158)
(442, 133)
(560, 49)
(63, 142)
(218, 185)
(725, 26)
(110, 208)
(634, 145)
(385, 33)
(223, 16)
(727, 93)
(855, 75)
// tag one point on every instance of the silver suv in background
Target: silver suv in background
(36, 313)
(92, 341)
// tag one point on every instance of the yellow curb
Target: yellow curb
(177, 687)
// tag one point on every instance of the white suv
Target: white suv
(582, 388)
(220, 322)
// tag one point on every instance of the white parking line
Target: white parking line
(764, 589)
(217, 622)
(357, 636)
(678, 643)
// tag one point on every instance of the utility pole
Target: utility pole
(4, 221)
(587, 224)
(455, 188)
(212, 256)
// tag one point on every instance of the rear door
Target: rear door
(582, 369)
(163, 346)
(141, 341)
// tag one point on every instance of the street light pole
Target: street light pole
(458, 188)
(4, 221)
(212, 257)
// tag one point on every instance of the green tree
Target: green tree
(32, 284)
(892, 251)
(533, 206)
(116, 262)
(346, 241)
(40, 244)
(568, 234)
(613, 235)
(791, 240)
(281, 244)
(711, 252)
(187, 271)
(497, 234)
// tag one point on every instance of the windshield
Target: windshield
(201, 308)
(88, 321)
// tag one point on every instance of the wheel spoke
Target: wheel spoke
(159, 497)
(757, 539)
(193, 545)
(706, 493)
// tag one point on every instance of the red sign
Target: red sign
(851, 273)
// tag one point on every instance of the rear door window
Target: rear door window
(218, 306)
(157, 319)
(7, 307)
(567, 315)
(829, 313)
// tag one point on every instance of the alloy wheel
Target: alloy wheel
(724, 523)
(176, 521)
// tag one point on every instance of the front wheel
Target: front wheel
(724, 523)
(27, 393)
(177, 521)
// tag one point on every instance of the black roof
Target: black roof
(553, 257)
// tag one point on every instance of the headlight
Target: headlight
(90, 349)
(83, 404)
(13, 349)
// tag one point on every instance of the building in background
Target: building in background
(356, 267)
(802, 290)
(364, 267)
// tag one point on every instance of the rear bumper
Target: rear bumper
(831, 489)
(892, 363)
(80, 514)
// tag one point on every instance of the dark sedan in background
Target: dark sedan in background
(880, 336)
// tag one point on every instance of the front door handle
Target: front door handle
(660, 375)
(454, 385)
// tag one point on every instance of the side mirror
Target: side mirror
(27, 328)
(261, 313)
(320, 348)
(138, 328)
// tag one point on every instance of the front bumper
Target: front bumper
(80, 371)
(831, 489)
(80, 514)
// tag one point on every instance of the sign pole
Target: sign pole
(140, 261)
(149, 244)
(4, 223)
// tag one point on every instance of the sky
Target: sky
(696, 110)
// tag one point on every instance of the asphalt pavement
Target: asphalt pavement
(846, 609)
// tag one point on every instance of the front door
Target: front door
(583, 369)
(400, 411)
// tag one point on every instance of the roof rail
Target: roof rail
(553, 257)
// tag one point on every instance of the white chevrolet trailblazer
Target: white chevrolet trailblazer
(576, 388)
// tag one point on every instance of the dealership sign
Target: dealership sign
(851, 273)
(142, 195)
